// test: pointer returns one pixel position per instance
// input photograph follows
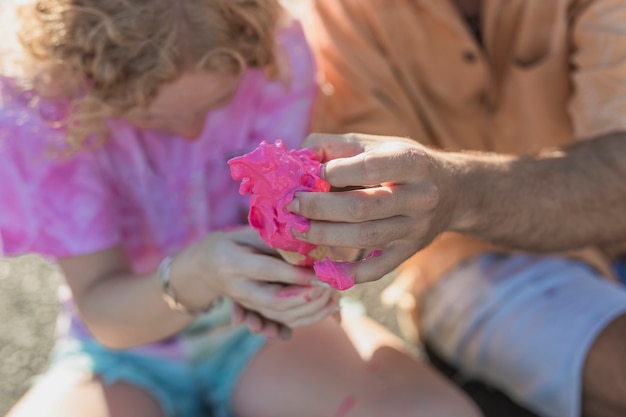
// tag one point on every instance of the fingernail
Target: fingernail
(294, 205)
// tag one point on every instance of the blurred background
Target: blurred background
(28, 312)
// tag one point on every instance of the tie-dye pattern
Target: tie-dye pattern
(147, 191)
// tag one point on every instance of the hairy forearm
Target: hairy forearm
(557, 200)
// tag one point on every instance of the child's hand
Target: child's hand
(237, 264)
(259, 324)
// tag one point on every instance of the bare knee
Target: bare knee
(71, 395)
(422, 392)
(604, 374)
(431, 403)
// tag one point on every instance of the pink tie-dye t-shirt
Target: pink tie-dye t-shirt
(150, 192)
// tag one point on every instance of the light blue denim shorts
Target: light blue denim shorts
(197, 383)
(522, 323)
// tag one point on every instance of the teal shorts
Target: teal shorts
(195, 383)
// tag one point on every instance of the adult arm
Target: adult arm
(557, 200)
(597, 109)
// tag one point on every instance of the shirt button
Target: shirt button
(469, 56)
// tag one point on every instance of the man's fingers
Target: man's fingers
(360, 205)
(350, 206)
(373, 234)
(388, 163)
(329, 146)
(376, 267)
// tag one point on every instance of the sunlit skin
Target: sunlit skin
(180, 108)
(469, 8)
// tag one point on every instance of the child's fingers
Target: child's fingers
(238, 314)
(303, 314)
(258, 324)
(263, 296)
(284, 332)
(254, 322)
(272, 330)
(264, 268)
(331, 307)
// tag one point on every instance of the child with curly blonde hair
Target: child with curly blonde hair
(115, 129)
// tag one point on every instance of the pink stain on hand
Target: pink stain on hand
(336, 274)
(339, 274)
(295, 292)
(346, 406)
(291, 292)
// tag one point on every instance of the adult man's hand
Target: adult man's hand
(407, 194)
(400, 196)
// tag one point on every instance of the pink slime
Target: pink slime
(271, 174)
(338, 274)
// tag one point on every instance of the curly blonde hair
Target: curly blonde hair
(109, 56)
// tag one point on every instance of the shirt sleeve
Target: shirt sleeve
(52, 205)
(285, 104)
(598, 104)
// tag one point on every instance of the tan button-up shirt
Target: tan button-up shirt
(545, 73)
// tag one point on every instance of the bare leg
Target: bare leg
(70, 395)
(604, 375)
(356, 369)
